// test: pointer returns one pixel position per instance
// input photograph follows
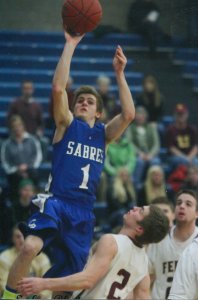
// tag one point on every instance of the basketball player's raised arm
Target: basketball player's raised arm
(95, 269)
(119, 123)
(142, 289)
(63, 117)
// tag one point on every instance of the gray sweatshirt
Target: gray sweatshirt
(27, 152)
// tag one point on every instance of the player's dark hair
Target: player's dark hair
(155, 225)
(164, 200)
(86, 89)
(189, 192)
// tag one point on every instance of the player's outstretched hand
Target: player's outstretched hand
(31, 285)
(119, 61)
(72, 38)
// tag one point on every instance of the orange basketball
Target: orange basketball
(81, 16)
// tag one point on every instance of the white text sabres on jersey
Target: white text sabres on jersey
(77, 149)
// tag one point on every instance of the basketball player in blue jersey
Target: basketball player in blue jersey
(63, 216)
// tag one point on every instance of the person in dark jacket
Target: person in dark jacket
(151, 99)
(142, 18)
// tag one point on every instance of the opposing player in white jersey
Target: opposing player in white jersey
(185, 282)
(163, 257)
(117, 266)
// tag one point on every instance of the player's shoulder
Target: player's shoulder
(107, 239)
(107, 243)
(192, 249)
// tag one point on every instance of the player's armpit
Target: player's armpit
(142, 289)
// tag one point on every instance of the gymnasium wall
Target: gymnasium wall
(45, 14)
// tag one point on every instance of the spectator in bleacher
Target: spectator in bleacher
(151, 99)
(120, 153)
(181, 139)
(70, 93)
(21, 155)
(192, 21)
(31, 113)
(143, 19)
(191, 182)
(154, 186)
(109, 100)
(38, 266)
(21, 210)
(120, 197)
(145, 139)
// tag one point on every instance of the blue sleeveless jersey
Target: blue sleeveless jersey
(77, 163)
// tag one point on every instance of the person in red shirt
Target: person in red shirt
(181, 139)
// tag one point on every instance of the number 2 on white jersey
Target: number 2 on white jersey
(85, 177)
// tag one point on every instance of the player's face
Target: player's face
(168, 212)
(86, 107)
(18, 239)
(134, 215)
(185, 210)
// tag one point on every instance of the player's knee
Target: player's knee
(30, 250)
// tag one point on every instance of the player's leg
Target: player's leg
(20, 268)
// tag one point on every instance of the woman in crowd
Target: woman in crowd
(120, 197)
(38, 266)
(155, 186)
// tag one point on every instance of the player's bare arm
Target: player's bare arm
(118, 124)
(62, 115)
(142, 289)
(105, 251)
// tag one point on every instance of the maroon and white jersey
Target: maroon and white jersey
(163, 258)
(127, 269)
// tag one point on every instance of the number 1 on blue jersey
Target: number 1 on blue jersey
(85, 177)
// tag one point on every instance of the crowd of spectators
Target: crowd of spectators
(134, 171)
